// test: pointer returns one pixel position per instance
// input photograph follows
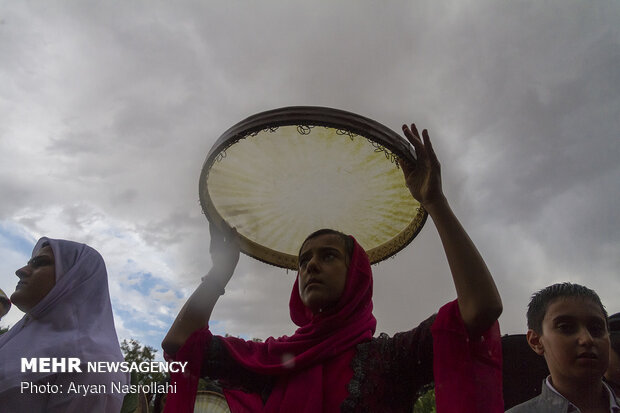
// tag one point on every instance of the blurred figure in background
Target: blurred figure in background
(612, 375)
(5, 304)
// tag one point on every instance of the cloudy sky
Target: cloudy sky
(108, 109)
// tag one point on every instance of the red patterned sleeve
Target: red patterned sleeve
(182, 396)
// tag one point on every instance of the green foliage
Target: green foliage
(131, 400)
(3, 330)
(426, 402)
(135, 352)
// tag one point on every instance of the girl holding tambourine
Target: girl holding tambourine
(332, 363)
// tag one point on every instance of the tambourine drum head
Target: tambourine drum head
(280, 175)
(210, 402)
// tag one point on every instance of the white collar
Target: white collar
(613, 402)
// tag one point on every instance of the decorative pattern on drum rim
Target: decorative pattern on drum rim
(347, 182)
(305, 129)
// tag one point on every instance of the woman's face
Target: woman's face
(36, 279)
(322, 271)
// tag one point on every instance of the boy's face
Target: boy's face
(574, 340)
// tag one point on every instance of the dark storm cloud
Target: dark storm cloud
(107, 111)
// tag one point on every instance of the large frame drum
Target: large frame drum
(280, 175)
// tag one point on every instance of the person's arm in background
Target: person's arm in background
(478, 299)
(197, 310)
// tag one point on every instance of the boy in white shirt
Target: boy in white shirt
(567, 325)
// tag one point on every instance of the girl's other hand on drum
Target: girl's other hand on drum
(224, 250)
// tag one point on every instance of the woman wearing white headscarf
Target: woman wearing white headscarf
(63, 290)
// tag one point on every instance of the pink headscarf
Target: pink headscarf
(298, 360)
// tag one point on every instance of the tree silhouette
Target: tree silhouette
(135, 352)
